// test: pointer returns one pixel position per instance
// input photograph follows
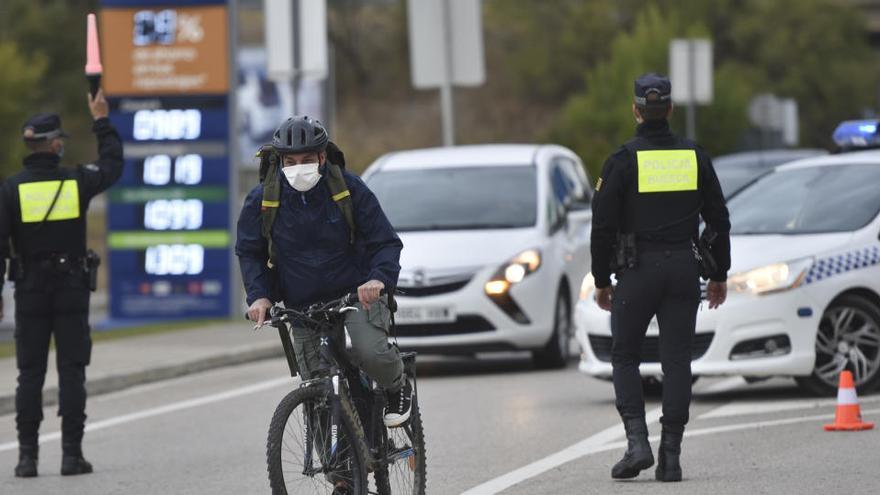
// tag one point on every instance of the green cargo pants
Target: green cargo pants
(368, 329)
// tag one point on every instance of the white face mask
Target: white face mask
(302, 177)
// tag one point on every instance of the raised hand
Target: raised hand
(98, 105)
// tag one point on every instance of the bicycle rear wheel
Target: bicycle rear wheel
(405, 472)
(298, 450)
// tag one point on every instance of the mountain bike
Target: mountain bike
(328, 435)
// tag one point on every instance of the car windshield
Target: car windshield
(808, 200)
(738, 170)
(458, 198)
(733, 179)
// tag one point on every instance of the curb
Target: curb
(115, 383)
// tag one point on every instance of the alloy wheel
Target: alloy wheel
(848, 338)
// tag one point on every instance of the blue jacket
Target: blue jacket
(315, 259)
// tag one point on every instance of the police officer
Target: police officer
(43, 233)
(317, 255)
(646, 213)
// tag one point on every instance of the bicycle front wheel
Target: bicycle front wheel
(300, 453)
(403, 471)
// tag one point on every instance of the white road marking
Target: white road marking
(587, 446)
(735, 427)
(727, 385)
(762, 424)
(579, 450)
(168, 408)
(740, 408)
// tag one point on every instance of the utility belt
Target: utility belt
(629, 245)
(56, 264)
(660, 242)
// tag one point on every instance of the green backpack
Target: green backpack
(270, 161)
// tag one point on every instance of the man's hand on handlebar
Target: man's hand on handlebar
(258, 311)
(370, 292)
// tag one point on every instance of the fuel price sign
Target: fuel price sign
(166, 72)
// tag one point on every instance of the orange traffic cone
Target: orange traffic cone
(849, 415)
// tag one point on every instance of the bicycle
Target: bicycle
(327, 435)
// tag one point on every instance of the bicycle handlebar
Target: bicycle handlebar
(278, 315)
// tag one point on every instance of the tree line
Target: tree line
(557, 71)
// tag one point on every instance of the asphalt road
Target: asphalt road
(493, 426)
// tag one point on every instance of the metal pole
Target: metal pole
(691, 121)
(690, 116)
(447, 105)
(330, 92)
(235, 287)
(297, 46)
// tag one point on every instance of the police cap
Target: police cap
(42, 126)
(652, 89)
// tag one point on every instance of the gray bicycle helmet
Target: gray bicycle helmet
(300, 135)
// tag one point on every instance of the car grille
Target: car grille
(432, 290)
(462, 325)
(601, 346)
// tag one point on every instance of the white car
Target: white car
(496, 243)
(804, 288)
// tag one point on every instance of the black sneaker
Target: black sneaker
(399, 405)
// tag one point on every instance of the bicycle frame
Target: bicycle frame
(363, 394)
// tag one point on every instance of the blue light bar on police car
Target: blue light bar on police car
(857, 134)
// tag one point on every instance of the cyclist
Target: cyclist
(315, 250)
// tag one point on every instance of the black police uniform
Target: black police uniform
(656, 186)
(48, 267)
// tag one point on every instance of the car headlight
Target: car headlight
(588, 287)
(514, 271)
(777, 277)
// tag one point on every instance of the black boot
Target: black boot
(73, 462)
(638, 454)
(27, 461)
(668, 466)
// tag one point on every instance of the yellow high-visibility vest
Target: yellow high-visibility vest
(667, 170)
(36, 198)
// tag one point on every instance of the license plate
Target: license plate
(435, 314)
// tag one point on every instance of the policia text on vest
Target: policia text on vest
(646, 216)
(43, 233)
(667, 170)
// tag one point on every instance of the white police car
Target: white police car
(496, 242)
(804, 288)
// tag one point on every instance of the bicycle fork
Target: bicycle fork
(313, 428)
(309, 440)
(335, 407)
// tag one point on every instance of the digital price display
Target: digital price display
(168, 220)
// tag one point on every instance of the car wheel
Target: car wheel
(558, 349)
(848, 337)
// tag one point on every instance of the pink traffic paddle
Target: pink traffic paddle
(93, 56)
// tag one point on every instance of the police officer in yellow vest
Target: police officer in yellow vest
(43, 234)
(646, 216)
